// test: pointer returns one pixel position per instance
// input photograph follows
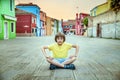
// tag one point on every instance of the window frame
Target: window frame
(0, 27)
(11, 5)
(12, 27)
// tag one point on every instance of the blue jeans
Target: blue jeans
(60, 60)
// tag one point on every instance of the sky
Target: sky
(64, 9)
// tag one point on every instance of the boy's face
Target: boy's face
(60, 40)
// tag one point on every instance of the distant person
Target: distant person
(60, 58)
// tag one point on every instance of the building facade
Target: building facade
(43, 23)
(60, 28)
(48, 26)
(69, 27)
(26, 23)
(106, 24)
(100, 8)
(56, 26)
(79, 23)
(7, 19)
(34, 9)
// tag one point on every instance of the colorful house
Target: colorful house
(50, 26)
(56, 26)
(7, 19)
(105, 22)
(26, 23)
(100, 8)
(69, 27)
(90, 25)
(79, 23)
(60, 29)
(43, 23)
(34, 9)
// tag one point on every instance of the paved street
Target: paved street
(22, 59)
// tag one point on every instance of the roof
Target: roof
(84, 13)
(69, 22)
(29, 4)
(99, 5)
(19, 11)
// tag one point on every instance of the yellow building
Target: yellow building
(100, 8)
(49, 26)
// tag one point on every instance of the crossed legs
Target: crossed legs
(68, 61)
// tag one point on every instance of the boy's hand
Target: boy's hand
(49, 57)
(72, 56)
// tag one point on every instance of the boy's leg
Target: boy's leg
(55, 63)
(69, 61)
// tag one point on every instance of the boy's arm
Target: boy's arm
(77, 50)
(44, 52)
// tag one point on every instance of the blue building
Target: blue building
(34, 9)
(55, 29)
(60, 29)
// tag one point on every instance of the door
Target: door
(5, 30)
(98, 30)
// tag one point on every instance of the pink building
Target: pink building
(79, 25)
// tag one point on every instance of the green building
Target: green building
(7, 19)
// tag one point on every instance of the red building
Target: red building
(79, 24)
(26, 23)
(69, 26)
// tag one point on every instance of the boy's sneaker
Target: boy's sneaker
(52, 67)
(69, 66)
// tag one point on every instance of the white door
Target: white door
(5, 30)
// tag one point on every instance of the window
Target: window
(12, 27)
(0, 27)
(11, 5)
(33, 30)
(33, 20)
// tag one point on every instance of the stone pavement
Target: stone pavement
(22, 59)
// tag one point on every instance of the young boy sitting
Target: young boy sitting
(60, 57)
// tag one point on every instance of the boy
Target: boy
(60, 57)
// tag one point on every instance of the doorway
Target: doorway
(5, 30)
(99, 30)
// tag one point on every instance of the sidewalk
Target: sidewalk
(22, 59)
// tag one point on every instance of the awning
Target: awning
(9, 17)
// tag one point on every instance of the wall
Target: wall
(36, 11)
(107, 17)
(90, 32)
(107, 24)
(48, 26)
(94, 31)
(100, 8)
(111, 30)
(5, 10)
(22, 21)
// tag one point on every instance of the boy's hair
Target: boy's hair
(59, 34)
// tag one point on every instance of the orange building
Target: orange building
(49, 25)
(43, 23)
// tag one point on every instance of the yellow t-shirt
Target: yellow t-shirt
(60, 51)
